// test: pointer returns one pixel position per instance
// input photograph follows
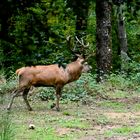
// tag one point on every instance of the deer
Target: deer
(51, 75)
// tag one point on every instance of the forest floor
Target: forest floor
(93, 119)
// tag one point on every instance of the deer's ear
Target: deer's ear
(81, 60)
(78, 55)
(81, 56)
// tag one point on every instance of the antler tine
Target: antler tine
(69, 42)
(78, 39)
(87, 44)
(68, 38)
(90, 55)
(82, 42)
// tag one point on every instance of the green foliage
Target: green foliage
(37, 35)
(37, 31)
(46, 94)
(81, 90)
(76, 91)
(1, 56)
(132, 30)
(6, 127)
(7, 86)
(40, 35)
(119, 81)
(116, 85)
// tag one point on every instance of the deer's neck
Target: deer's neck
(73, 71)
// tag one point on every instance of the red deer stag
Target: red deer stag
(50, 76)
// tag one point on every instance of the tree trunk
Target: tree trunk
(103, 38)
(122, 39)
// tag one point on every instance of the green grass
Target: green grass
(97, 117)
(102, 119)
(43, 133)
(74, 123)
(48, 124)
(123, 131)
(114, 105)
(6, 127)
(136, 107)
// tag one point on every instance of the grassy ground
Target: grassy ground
(115, 117)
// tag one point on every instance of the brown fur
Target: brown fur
(51, 75)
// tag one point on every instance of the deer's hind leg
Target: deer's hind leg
(25, 93)
(15, 94)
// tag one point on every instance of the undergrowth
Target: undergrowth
(117, 85)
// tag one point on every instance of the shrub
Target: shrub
(8, 85)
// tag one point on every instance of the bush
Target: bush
(86, 88)
(75, 91)
(46, 94)
(7, 85)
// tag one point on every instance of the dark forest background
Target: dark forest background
(34, 32)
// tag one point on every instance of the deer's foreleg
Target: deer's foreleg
(58, 96)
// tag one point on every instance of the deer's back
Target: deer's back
(50, 75)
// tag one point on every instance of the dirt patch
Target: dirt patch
(87, 138)
(115, 115)
(62, 131)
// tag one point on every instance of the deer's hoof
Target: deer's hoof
(30, 109)
(53, 105)
(8, 108)
(57, 109)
